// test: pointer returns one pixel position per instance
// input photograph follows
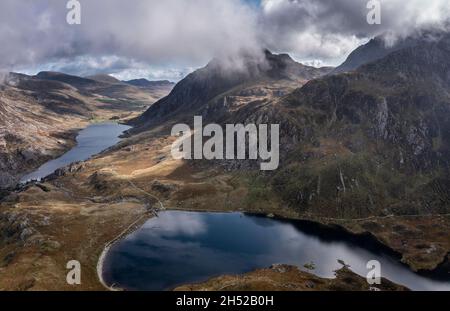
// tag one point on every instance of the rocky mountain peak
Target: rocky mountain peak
(220, 77)
(385, 44)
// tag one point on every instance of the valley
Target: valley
(41, 115)
(365, 150)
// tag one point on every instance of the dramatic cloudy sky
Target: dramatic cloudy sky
(167, 39)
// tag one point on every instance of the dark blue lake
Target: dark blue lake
(90, 141)
(185, 247)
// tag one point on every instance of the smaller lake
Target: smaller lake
(90, 141)
(186, 247)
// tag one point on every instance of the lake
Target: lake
(187, 247)
(90, 141)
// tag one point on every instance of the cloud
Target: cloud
(156, 32)
(122, 68)
(156, 37)
(3, 77)
(153, 73)
(180, 223)
(331, 29)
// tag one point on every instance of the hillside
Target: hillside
(373, 143)
(378, 140)
(40, 115)
(383, 45)
(144, 83)
(218, 90)
(366, 151)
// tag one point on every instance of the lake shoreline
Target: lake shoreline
(281, 277)
(106, 234)
(71, 142)
(332, 224)
(365, 239)
(73, 156)
(135, 225)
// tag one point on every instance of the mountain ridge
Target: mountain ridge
(380, 47)
(366, 150)
(373, 143)
(147, 83)
(275, 76)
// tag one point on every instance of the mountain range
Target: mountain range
(369, 139)
(351, 141)
(365, 147)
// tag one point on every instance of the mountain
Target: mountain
(379, 47)
(217, 89)
(104, 78)
(144, 83)
(378, 138)
(368, 149)
(159, 88)
(65, 78)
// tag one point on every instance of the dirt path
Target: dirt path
(132, 227)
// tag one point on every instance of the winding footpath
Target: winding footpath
(133, 226)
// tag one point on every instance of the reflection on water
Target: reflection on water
(185, 247)
(90, 141)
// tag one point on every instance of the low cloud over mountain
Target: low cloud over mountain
(330, 29)
(117, 36)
